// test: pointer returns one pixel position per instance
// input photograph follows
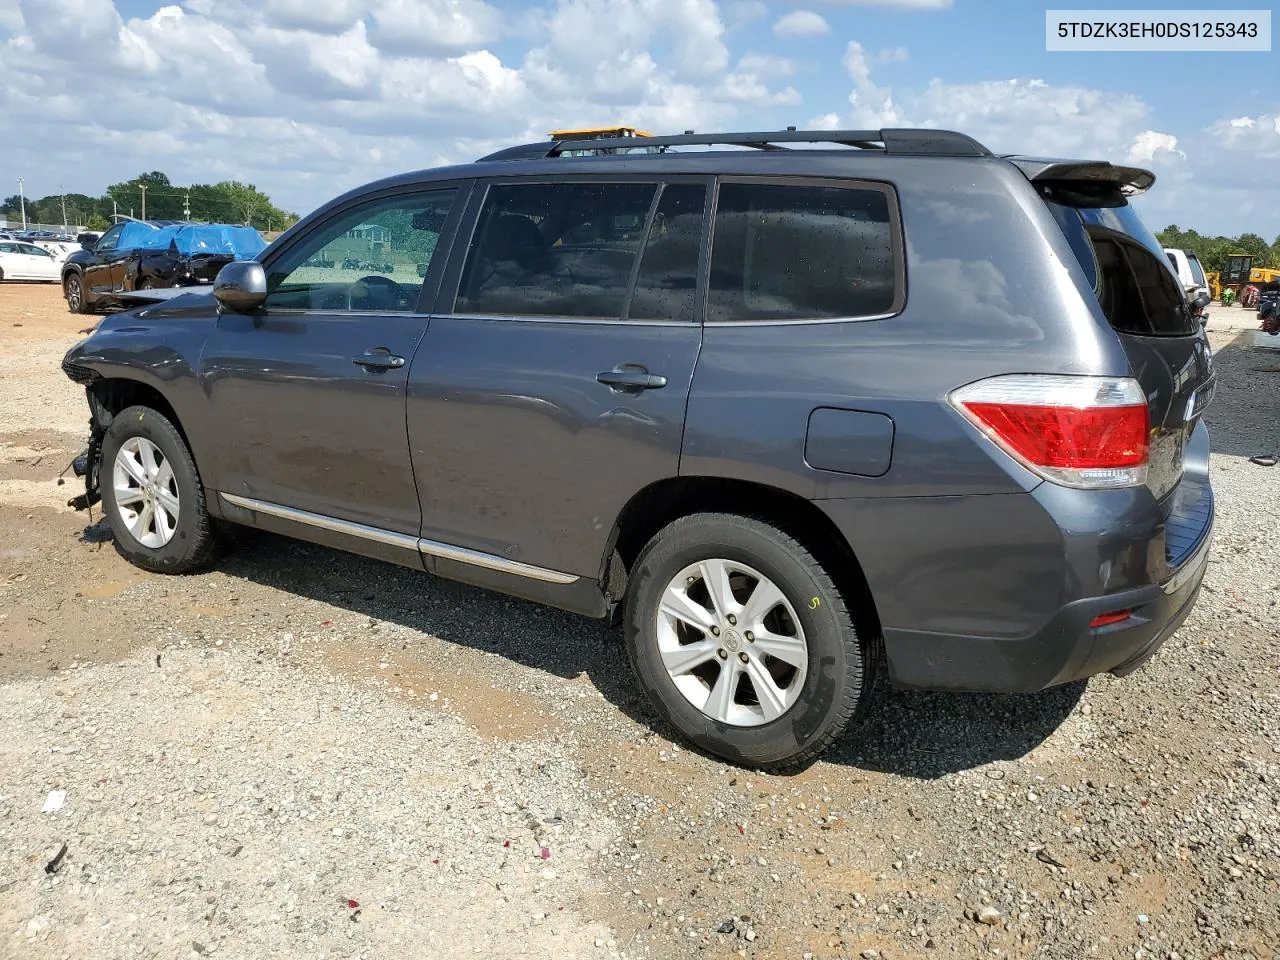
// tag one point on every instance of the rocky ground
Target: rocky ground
(306, 754)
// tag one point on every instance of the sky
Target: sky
(309, 98)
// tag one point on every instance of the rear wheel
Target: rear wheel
(743, 642)
(152, 495)
(73, 289)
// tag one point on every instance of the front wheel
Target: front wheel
(152, 494)
(73, 289)
(743, 642)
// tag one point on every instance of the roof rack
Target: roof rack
(897, 141)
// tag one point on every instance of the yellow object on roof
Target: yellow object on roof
(585, 133)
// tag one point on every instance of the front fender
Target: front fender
(145, 357)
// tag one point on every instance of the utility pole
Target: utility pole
(63, 198)
(115, 211)
(144, 200)
(186, 205)
(22, 200)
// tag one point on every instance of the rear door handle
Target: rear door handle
(628, 377)
(379, 358)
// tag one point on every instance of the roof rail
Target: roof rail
(903, 141)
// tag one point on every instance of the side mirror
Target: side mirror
(241, 285)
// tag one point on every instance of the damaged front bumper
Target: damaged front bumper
(86, 466)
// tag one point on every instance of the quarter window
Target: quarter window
(1137, 294)
(372, 257)
(555, 250)
(792, 252)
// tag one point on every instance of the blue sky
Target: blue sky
(307, 98)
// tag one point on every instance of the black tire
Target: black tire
(1, 276)
(193, 544)
(144, 284)
(73, 290)
(841, 665)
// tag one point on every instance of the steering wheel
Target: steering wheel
(373, 279)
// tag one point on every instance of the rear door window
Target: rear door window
(667, 282)
(555, 250)
(803, 251)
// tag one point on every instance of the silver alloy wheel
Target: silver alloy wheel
(732, 643)
(73, 293)
(146, 492)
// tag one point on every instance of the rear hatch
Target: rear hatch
(1143, 300)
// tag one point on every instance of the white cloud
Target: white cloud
(308, 99)
(738, 13)
(901, 4)
(420, 27)
(1148, 144)
(1199, 176)
(893, 55)
(10, 16)
(825, 121)
(801, 23)
(749, 81)
(1257, 137)
(318, 65)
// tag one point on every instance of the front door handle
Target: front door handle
(379, 358)
(630, 377)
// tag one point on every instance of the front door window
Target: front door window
(373, 257)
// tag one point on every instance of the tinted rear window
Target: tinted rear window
(1128, 270)
(802, 251)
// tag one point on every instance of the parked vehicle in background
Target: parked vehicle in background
(688, 388)
(1189, 271)
(140, 255)
(26, 261)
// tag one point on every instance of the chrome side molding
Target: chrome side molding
(432, 548)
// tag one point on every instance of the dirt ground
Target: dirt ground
(1120, 818)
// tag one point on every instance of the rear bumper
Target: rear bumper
(1065, 649)
(998, 593)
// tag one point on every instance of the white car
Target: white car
(26, 261)
(1190, 273)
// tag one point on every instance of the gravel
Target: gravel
(337, 758)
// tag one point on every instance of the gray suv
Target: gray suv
(784, 412)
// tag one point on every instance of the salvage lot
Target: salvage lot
(304, 753)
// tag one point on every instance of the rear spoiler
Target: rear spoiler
(1129, 181)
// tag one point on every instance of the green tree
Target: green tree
(1253, 245)
(96, 221)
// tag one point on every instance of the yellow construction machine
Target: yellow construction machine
(601, 133)
(1238, 275)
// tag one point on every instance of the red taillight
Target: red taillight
(1078, 431)
(1107, 619)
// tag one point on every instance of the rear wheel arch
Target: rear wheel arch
(662, 502)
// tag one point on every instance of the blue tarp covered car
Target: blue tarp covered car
(145, 255)
(194, 239)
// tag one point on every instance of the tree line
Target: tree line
(1213, 251)
(227, 202)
